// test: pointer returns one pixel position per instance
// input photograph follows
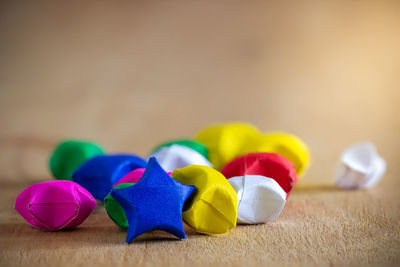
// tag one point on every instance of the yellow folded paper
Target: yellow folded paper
(213, 209)
(226, 141)
(287, 145)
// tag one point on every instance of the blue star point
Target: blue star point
(155, 202)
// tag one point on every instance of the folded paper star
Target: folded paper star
(99, 174)
(197, 146)
(155, 202)
(55, 205)
(361, 167)
(133, 177)
(226, 141)
(260, 199)
(265, 164)
(178, 156)
(69, 155)
(285, 144)
(213, 207)
(114, 209)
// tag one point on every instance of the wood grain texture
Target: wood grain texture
(131, 75)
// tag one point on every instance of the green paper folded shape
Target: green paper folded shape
(69, 155)
(114, 209)
(199, 147)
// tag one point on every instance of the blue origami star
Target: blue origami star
(100, 173)
(155, 202)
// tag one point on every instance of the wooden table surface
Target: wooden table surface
(131, 75)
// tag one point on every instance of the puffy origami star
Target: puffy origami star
(177, 156)
(361, 167)
(100, 173)
(155, 202)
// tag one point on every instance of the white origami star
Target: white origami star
(177, 156)
(260, 198)
(361, 167)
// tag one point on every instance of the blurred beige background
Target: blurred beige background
(131, 75)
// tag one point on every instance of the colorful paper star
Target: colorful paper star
(155, 202)
(177, 156)
(68, 155)
(99, 174)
